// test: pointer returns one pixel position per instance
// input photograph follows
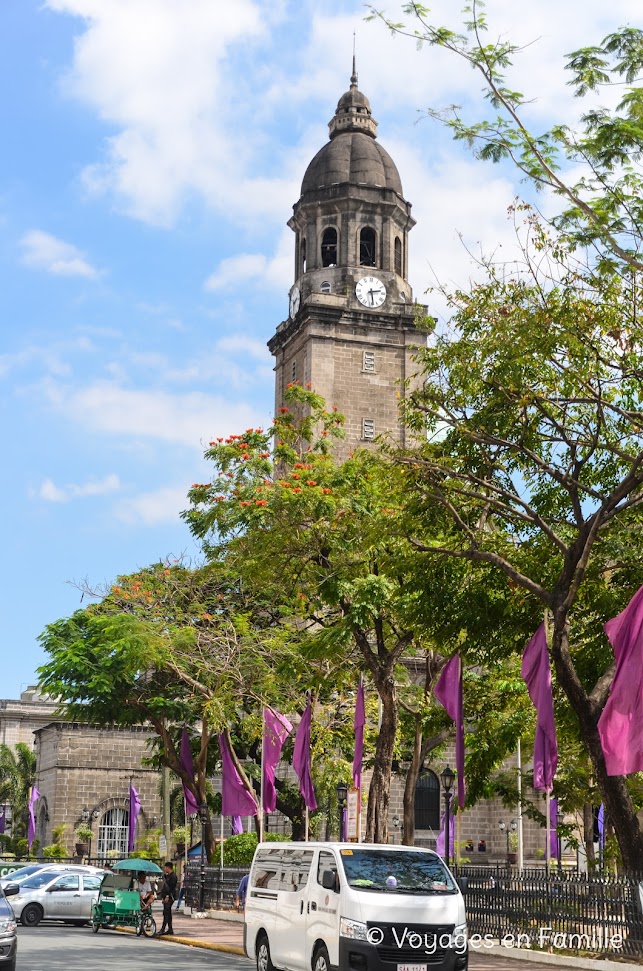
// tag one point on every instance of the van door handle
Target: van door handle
(301, 909)
(313, 905)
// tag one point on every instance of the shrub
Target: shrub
(239, 850)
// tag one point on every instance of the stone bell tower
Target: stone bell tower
(351, 330)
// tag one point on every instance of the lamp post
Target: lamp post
(203, 813)
(342, 801)
(510, 832)
(446, 777)
(88, 816)
(560, 818)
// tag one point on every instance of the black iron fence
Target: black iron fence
(558, 911)
(220, 886)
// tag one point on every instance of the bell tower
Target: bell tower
(351, 330)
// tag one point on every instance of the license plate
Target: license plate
(411, 967)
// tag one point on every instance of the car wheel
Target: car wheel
(320, 961)
(264, 962)
(31, 915)
(149, 926)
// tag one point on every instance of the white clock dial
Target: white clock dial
(370, 291)
(295, 300)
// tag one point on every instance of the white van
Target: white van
(353, 907)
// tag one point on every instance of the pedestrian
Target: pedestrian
(242, 890)
(167, 893)
(181, 891)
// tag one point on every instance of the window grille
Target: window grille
(427, 801)
(368, 361)
(325, 287)
(368, 429)
(113, 832)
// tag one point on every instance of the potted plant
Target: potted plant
(83, 836)
(512, 847)
(180, 836)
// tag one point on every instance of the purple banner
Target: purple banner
(276, 730)
(237, 826)
(191, 805)
(235, 798)
(448, 691)
(301, 758)
(134, 810)
(621, 723)
(537, 675)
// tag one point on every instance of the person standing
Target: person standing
(167, 893)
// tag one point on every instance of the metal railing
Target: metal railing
(220, 886)
(559, 911)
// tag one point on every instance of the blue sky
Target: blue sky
(152, 152)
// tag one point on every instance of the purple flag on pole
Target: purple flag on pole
(301, 758)
(276, 729)
(358, 724)
(235, 798)
(537, 675)
(237, 826)
(441, 840)
(3, 820)
(621, 723)
(448, 691)
(31, 830)
(601, 827)
(187, 765)
(134, 810)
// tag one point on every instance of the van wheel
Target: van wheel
(320, 961)
(264, 962)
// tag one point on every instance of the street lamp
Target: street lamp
(203, 813)
(508, 831)
(342, 802)
(446, 777)
(88, 816)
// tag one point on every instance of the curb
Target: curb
(562, 960)
(190, 942)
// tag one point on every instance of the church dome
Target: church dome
(354, 157)
(353, 154)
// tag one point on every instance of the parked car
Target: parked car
(8, 935)
(18, 876)
(56, 894)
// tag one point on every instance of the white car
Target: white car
(57, 894)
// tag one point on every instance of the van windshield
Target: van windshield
(388, 871)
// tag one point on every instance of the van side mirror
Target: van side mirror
(329, 880)
(463, 883)
(11, 889)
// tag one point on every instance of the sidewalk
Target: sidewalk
(224, 932)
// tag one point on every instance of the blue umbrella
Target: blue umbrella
(132, 864)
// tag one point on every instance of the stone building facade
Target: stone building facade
(19, 719)
(81, 767)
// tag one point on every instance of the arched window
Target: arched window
(367, 247)
(427, 801)
(329, 247)
(398, 256)
(113, 832)
(303, 255)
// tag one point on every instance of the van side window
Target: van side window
(267, 870)
(326, 862)
(295, 869)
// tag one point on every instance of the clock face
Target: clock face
(370, 291)
(295, 300)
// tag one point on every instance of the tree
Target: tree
(17, 776)
(537, 394)
(604, 207)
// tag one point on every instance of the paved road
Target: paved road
(56, 948)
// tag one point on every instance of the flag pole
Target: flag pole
(306, 825)
(521, 851)
(548, 814)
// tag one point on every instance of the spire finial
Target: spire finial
(354, 74)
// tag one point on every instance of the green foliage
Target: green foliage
(147, 847)
(83, 834)
(55, 851)
(239, 850)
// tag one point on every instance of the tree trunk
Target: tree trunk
(408, 821)
(619, 807)
(588, 834)
(378, 793)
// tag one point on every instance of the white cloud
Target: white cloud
(154, 508)
(188, 419)
(45, 252)
(274, 272)
(50, 492)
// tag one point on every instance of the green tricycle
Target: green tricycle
(119, 903)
